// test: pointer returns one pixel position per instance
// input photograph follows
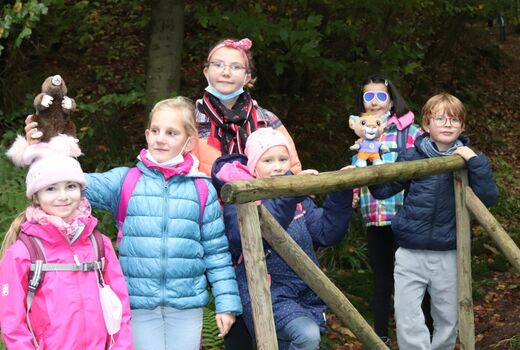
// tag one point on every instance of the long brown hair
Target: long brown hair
(12, 233)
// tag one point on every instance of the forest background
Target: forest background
(118, 57)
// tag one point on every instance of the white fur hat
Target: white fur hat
(49, 162)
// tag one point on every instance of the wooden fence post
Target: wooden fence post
(256, 270)
(464, 289)
(312, 275)
(494, 229)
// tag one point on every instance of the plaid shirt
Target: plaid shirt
(381, 212)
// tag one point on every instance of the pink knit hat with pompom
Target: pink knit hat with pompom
(49, 162)
(260, 141)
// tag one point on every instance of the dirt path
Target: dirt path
(497, 317)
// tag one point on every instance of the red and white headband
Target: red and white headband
(241, 45)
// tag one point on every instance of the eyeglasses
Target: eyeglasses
(381, 96)
(440, 120)
(234, 67)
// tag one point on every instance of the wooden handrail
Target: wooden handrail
(464, 289)
(494, 229)
(240, 192)
(252, 190)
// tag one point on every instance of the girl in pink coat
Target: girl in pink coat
(82, 300)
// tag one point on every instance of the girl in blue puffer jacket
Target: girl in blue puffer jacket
(166, 255)
(425, 227)
(298, 312)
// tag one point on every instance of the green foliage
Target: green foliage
(511, 343)
(19, 19)
(12, 192)
(351, 253)
(210, 339)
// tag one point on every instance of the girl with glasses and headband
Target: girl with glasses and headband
(226, 115)
(379, 95)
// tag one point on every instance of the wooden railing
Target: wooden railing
(257, 223)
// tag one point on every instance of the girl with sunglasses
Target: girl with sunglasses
(379, 95)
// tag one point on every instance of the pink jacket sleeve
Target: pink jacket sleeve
(114, 277)
(14, 280)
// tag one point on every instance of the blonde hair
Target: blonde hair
(12, 233)
(183, 105)
(452, 106)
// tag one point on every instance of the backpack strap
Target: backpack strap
(401, 138)
(202, 190)
(99, 245)
(129, 183)
(35, 275)
(37, 259)
(99, 250)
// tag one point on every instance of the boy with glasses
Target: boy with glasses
(425, 228)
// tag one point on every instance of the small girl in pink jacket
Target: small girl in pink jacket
(82, 300)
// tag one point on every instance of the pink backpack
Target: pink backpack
(129, 183)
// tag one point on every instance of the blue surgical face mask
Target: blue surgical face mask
(223, 97)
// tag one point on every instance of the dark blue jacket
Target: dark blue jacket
(309, 226)
(427, 218)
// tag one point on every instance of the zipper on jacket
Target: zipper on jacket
(434, 213)
(78, 277)
(164, 241)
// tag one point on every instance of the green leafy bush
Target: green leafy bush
(12, 192)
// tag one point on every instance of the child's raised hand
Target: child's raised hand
(309, 172)
(224, 322)
(465, 152)
(32, 135)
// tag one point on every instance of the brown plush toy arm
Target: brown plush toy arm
(68, 104)
(42, 101)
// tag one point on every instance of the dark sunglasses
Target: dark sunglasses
(381, 96)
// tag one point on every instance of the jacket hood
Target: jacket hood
(462, 138)
(51, 234)
(403, 121)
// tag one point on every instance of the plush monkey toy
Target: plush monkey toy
(368, 127)
(53, 108)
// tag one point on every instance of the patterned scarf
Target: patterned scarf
(230, 127)
(428, 148)
(36, 215)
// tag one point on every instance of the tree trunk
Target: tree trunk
(165, 50)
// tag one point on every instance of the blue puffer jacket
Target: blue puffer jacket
(310, 227)
(427, 218)
(164, 254)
